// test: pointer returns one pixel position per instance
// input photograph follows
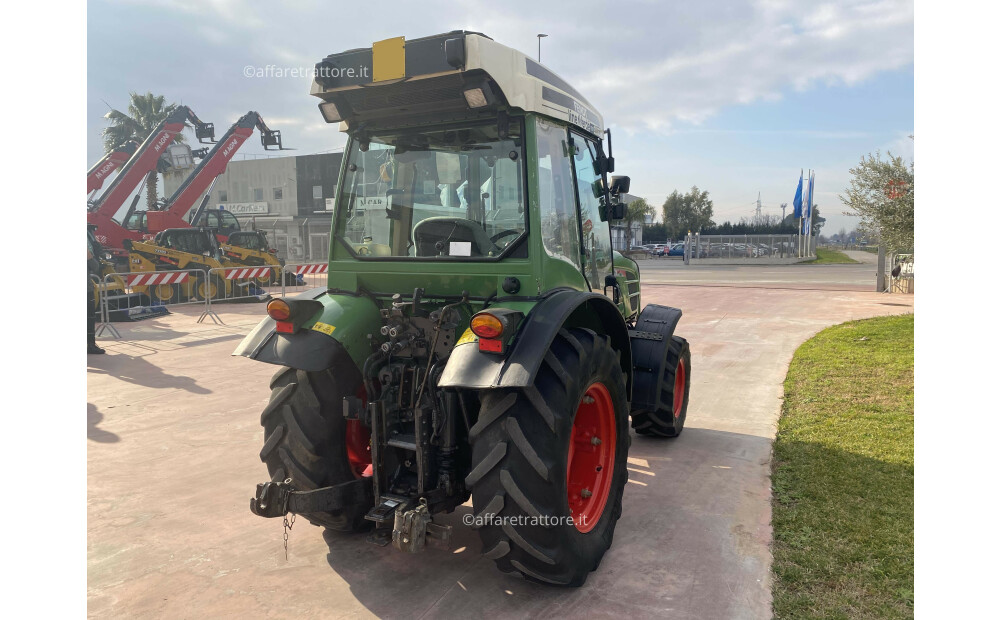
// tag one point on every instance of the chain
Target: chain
(288, 528)
(287, 524)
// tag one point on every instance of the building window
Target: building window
(223, 196)
(277, 193)
(258, 194)
(317, 192)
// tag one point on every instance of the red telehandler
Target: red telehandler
(100, 214)
(108, 164)
(170, 212)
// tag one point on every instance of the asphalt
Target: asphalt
(173, 439)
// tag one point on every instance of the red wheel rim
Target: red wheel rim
(358, 442)
(680, 379)
(590, 463)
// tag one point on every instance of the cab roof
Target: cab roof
(400, 80)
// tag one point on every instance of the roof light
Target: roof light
(475, 97)
(330, 112)
(485, 325)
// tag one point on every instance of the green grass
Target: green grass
(826, 256)
(842, 475)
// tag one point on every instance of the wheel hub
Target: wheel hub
(591, 459)
(357, 441)
(680, 380)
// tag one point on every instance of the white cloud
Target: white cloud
(650, 65)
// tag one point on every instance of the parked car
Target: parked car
(677, 250)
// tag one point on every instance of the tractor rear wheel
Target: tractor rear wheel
(307, 439)
(548, 463)
(669, 420)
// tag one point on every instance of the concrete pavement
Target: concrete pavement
(173, 437)
(673, 271)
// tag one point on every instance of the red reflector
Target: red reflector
(491, 346)
(285, 327)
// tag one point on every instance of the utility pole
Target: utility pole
(784, 206)
(540, 46)
(757, 214)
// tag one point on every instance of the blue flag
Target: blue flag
(797, 201)
(809, 203)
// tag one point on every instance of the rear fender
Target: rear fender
(341, 327)
(467, 367)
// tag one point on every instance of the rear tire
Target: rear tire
(526, 444)
(676, 387)
(305, 436)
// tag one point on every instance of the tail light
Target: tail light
(494, 328)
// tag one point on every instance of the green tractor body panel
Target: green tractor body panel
(343, 324)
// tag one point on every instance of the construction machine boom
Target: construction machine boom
(143, 162)
(108, 164)
(172, 211)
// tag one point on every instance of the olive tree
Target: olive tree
(881, 193)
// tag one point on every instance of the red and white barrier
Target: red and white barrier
(239, 273)
(153, 278)
(302, 270)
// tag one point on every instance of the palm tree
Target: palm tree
(145, 113)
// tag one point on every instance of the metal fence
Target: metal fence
(132, 295)
(899, 274)
(746, 247)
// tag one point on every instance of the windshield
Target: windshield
(446, 193)
(249, 240)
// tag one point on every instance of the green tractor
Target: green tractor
(478, 336)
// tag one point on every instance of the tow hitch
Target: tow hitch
(276, 499)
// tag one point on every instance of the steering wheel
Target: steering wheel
(363, 250)
(504, 233)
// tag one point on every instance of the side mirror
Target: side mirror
(618, 211)
(620, 185)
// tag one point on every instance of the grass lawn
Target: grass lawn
(826, 256)
(842, 475)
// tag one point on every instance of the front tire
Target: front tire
(548, 463)
(307, 439)
(668, 421)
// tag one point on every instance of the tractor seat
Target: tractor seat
(434, 236)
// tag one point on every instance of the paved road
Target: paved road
(860, 277)
(173, 435)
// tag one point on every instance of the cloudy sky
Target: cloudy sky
(734, 97)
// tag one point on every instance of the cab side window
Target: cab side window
(597, 250)
(557, 203)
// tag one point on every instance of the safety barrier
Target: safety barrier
(142, 293)
(299, 277)
(235, 284)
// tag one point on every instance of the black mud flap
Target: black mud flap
(276, 499)
(650, 339)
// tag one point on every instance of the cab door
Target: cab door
(595, 235)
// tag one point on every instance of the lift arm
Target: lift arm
(108, 164)
(146, 157)
(210, 168)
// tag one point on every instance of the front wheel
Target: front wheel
(548, 463)
(668, 421)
